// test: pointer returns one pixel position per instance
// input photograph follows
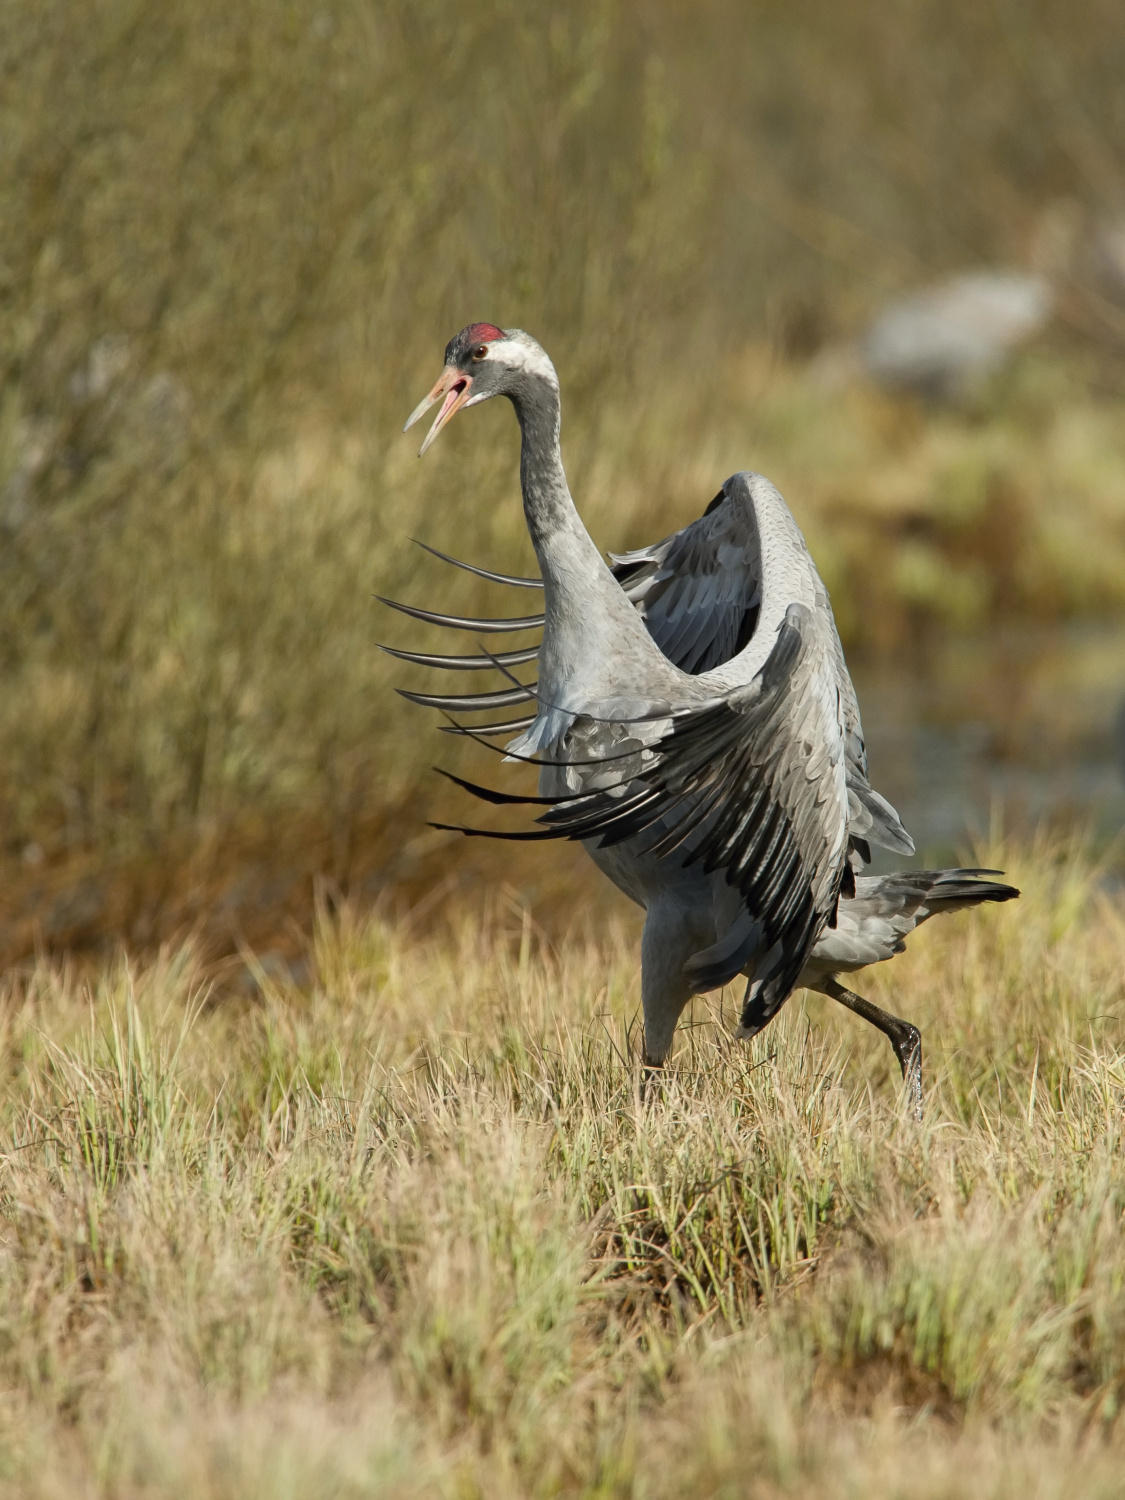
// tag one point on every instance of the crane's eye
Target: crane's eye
(480, 351)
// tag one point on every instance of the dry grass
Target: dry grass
(234, 241)
(409, 1228)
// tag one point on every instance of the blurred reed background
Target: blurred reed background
(234, 242)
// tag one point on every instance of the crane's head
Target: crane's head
(483, 361)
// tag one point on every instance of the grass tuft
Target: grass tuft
(414, 1226)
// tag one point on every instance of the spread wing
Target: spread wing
(751, 784)
(699, 590)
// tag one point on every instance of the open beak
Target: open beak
(455, 386)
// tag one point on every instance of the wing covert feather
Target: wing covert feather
(699, 590)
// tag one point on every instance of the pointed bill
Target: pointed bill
(420, 410)
(455, 387)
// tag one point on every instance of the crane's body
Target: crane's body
(695, 726)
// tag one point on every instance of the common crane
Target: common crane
(696, 729)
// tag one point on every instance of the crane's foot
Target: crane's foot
(903, 1037)
(908, 1050)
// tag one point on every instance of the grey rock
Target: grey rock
(942, 340)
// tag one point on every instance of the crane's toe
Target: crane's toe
(908, 1050)
(903, 1037)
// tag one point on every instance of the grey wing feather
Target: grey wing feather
(508, 578)
(874, 925)
(915, 895)
(481, 663)
(465, 622)
(699, 590)
(871, 818)
(470, 702)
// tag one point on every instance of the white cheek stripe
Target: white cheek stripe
(517, 354)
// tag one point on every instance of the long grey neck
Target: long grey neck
(589, 621)
(547, 503)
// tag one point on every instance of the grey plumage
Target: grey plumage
(490, 731)
(699, 590)
(466, 622)
(510, 578)
(873, 926)
(696, 726)
(471, 702)
(479, 663)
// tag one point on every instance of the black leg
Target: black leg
(904, 1038)
(652, 1074)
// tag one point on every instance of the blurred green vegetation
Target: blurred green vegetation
(236, 238)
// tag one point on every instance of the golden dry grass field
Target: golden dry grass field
(233, 243)
(409, 1228)
(324, 1166)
